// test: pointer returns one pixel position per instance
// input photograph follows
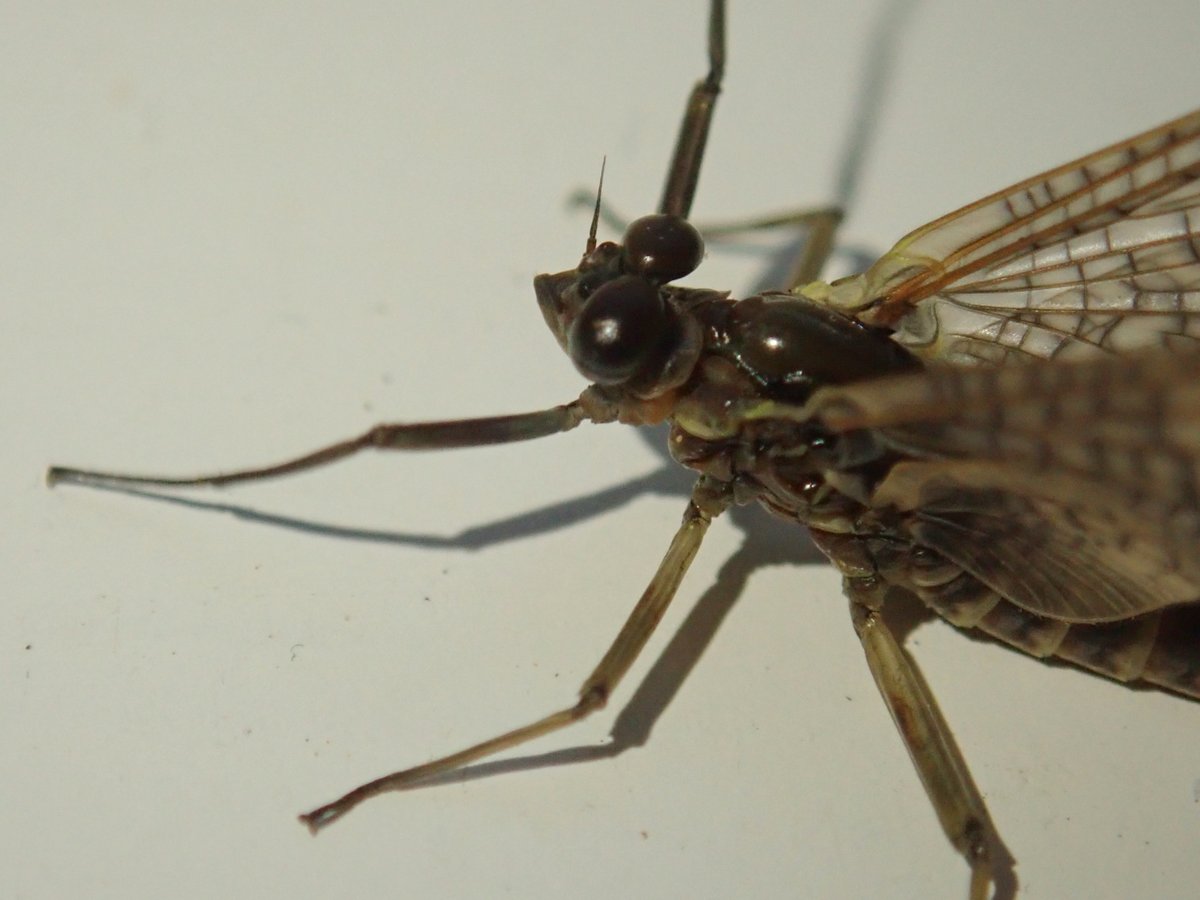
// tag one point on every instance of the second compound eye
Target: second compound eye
(619, 329)
(662, 248)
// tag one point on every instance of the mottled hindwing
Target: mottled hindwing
(1070, 488)
(1052, 445)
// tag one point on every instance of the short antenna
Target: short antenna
(591, 242)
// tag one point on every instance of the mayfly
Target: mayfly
(1000, 417)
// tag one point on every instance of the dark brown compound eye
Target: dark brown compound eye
(662, 248)
(619, 330)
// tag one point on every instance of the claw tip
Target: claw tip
(307, 820)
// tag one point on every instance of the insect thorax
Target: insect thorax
(781, 348)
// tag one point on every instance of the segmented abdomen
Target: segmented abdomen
(1162, 647)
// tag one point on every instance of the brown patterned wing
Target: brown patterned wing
(1100, 255)
(1071, 488)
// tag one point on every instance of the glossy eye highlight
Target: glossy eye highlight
(618, 330)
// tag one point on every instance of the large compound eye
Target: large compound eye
(662, 248)
(618, 330)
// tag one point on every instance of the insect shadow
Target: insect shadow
(766, 541)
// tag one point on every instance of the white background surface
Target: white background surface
(233, 234)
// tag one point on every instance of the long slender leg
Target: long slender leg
(684, 172)
(821, 222)
(939, 763)
(822, 227)
(708, 500)
(413, 436)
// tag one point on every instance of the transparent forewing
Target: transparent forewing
(1072, 488)
(1100, 255)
